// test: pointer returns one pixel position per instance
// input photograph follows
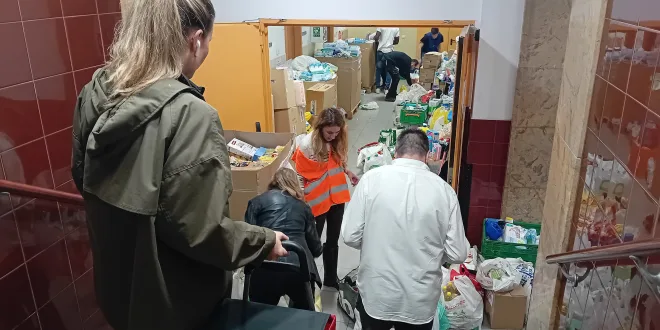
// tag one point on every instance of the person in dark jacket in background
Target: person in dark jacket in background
(398, 64)
(282, 208)
(431, 42)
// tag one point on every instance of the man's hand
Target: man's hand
(278, 250)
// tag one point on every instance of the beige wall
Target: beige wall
(407, 42)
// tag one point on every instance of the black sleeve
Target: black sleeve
(251, 213)
(423, 40)
(311, 236)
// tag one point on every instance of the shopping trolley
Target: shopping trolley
(236, 314)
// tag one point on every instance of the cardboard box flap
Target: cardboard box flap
(321, 87)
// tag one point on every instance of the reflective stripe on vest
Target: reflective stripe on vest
(325, 183)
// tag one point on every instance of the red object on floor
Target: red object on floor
(332, 323)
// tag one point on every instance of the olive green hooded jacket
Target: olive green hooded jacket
(154, 172)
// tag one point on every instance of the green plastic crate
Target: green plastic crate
(497, 249)
(411, 116)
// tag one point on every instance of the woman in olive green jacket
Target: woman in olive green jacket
(151, 162)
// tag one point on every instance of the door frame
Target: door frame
(264, 23)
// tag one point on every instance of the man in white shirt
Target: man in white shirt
(406, 222)
(386, 39)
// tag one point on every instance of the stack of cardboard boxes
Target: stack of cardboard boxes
(368, 66)
(349, 81)
(289, 118)
(430, 65)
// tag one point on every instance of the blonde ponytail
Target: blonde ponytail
(286, 179)
(150, 42)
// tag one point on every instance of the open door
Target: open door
(236, 75)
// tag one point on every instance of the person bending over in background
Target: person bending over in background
(283, 208)
(385, 38)
(398, 64)
(430, 42)
(320, 160)
(406, 222)
(151, 163)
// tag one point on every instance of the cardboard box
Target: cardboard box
(349, 81)
(248, 182)
(426, 75)
(289, 120)
(283, 89)
(432, 60)
(507, 310)
(368, 65)
(320, 96)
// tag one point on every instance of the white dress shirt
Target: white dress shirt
(386, 42)
(406, 222)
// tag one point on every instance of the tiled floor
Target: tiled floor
(362, 129)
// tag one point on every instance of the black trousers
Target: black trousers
(333, 218)
(268, 287)
(370, 323)
(393, 70)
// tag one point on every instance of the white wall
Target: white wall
(245, 10)
(499, 52)
(277, 45)
(307, 45)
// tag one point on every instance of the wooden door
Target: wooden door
(445, 44)
(451, 38)
(237, 77)
(463, 101)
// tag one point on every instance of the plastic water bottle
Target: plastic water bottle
(530, 236)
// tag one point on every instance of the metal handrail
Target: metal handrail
(611, 252)
(632, 251)
(39, 192)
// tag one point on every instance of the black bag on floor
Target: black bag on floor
(348, 294)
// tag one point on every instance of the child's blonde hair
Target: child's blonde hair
(286, 179)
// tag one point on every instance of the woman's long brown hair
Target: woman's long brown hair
(327, 118)
(286, 179)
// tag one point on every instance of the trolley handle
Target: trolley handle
(291, 247)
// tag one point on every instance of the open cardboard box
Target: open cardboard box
(248, 182)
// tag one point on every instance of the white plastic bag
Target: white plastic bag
(238, 281)
(526, 270)
(507, 277)
(411, 95)
(467, 310)
(372, 157)
(302, 62)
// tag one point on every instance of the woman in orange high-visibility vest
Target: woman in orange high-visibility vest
(320, 160)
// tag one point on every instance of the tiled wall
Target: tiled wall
(487, 152)
(619, 189)
(52, 47)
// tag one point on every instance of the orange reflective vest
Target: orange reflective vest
(325, 183)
